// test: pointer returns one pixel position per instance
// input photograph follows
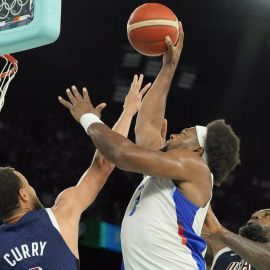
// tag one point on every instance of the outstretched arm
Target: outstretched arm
(85, 192)
(255, 253)
(96, 176)
(151, 114)
(177, 164)
(73, 201)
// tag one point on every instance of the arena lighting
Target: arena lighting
(121, 89)
(100, 234)
(152, 67)
(131, 60)
(187, 78)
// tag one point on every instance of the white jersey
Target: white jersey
(161, 229)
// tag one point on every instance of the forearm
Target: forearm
(109, 143)
(257, 254)
(97, 174)
(101, 166)
(152, 111)
(74, 200)
(90, 184)
(122, 126)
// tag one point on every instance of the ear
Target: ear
(24, 197)
(199, 150)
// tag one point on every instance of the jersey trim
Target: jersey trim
(187, 213)
(219, 253)
(53, 219)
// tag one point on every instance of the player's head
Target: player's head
(222, 148)
(187, 139)
(15, 193)
(216, 143)
(258, 227)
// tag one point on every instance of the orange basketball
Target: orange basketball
(147, 27)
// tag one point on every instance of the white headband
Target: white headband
(201, 135)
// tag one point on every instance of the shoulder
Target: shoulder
(197, 169)
(65, 206)
(188, 157)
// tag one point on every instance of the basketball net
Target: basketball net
(6, 76)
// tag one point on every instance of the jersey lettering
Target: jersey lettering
(18, 254)
(233, 266)
(243, 265)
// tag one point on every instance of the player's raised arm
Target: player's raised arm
(151, 114)
(85, 192)
(176, 164)
(73, 201)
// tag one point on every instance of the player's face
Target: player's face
(187, 139)
(258, 227)
(34, 202)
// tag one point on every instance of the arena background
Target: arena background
(224, 73)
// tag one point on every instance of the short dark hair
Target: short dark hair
(10, 185)
(222, 148)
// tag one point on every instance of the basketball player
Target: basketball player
(45, 239)
(249, 251)
(162, 225)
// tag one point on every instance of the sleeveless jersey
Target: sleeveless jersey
(34, 243)
(226, 259)
(161, 229)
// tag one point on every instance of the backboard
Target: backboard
(26, 24)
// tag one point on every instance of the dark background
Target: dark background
(223, 73)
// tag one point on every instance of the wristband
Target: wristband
(88, 119)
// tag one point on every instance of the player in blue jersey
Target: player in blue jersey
(47, 239)
(162, 225)
(249, 250)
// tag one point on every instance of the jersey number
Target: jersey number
(137, 200)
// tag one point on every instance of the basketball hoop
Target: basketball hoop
(6, 75)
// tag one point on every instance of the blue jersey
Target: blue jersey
(34, 243)
(226, 259)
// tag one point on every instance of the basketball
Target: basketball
(147, 27)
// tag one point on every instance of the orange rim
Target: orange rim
(14, 63)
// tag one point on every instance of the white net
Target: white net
(6, 76)
(12, 7)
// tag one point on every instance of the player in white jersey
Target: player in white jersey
(162, 225)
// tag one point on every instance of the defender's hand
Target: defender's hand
(171, 57)
(79, 105)
(133, 100)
